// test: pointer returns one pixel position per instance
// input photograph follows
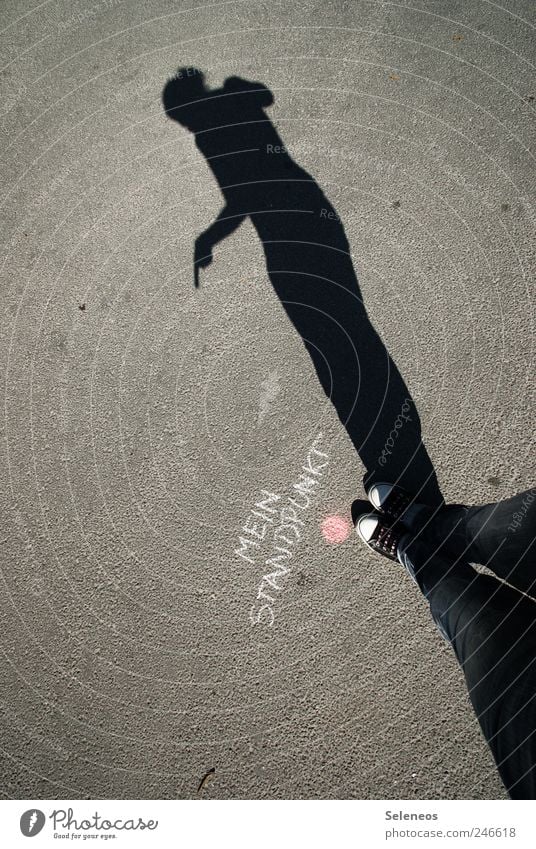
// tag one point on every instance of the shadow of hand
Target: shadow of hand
(202, 256)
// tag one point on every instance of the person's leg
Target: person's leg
(492, 629)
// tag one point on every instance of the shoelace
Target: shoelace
(397, 502)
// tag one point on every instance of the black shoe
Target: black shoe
(378, 535)
(389, 499)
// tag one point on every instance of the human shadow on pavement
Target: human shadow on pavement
(309, 265)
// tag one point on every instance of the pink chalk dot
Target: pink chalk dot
(335, 529)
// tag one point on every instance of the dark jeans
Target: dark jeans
(491, 626)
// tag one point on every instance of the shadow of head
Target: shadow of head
(187, 100)
(183, 92)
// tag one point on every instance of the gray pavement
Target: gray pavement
(144, 419)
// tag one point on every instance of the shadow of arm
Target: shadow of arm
(225, 224)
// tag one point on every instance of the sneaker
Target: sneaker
(389, 499)
(379, 536)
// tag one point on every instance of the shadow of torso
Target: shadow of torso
(259, 178)
(309, 265)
